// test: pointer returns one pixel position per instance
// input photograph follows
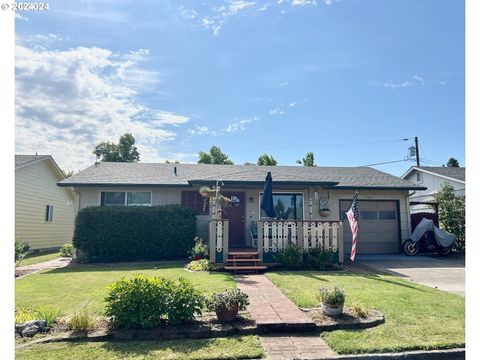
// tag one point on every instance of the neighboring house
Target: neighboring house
(44, 213)
(299, 194)
(432, 178)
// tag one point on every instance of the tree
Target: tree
(266, 160)
(124, 151)
(452, 162)
(452, 214)
(308, 160)
(214, 156)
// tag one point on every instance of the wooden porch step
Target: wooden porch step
(237, 253)
(255, 267)
(243, 260)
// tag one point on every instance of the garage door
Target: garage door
(377, 227)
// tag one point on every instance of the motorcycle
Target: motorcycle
(428, 238)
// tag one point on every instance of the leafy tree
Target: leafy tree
(266, 160)
(124, 151)
(308, 160)
(452, 214)
(452, 162)
(214, 156)
(172, 162)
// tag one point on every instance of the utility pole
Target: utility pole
(417, 155)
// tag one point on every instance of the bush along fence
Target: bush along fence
(134, 233)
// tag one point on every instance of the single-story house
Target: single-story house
(44, 213)
(432, 178)
(310, 202)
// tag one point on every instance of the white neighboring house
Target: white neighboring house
(432, 178)
(44, 212)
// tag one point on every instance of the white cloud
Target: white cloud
(419, 79)
(278, 110)
(303, 2)
(68, 101)
(201, 130)
(239, 125)
(20, 17)
(393, 85)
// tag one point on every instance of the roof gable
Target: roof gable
(450, 173)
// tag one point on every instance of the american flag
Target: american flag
(352, 216)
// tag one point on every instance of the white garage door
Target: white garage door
(377, 227)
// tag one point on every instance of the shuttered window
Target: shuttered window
(195, 201)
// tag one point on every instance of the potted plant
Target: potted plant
(227, 304)
(324, 208)
(332, 301)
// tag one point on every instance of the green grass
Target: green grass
(245, 347)
(416, 317)
(72, 287)
(38, 257)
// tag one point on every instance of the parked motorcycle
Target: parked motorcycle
(428, 238)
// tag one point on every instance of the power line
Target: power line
(388, 162)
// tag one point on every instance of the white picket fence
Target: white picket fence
(307, 234)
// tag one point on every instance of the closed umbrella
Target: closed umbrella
(267, 198)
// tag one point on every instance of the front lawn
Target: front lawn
(416, 316)
(71, 287)
(245, 347)
(38, 257)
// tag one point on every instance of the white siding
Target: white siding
(35, 188)
(433, 184)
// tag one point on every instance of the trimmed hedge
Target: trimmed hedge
(104, 233)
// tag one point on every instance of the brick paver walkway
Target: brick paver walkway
(269, 307)
(295, 346)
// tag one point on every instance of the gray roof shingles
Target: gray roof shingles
(159, 174)
(451, 172)
(25, 159)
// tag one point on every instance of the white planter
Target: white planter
(332, 310)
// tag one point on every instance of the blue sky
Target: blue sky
(345, 79)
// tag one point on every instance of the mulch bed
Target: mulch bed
(348, 320)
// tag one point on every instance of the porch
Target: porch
(271, 236)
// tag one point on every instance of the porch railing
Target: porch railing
(274, 235)
(218, 240)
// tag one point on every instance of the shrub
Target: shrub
(104, 233)
(331, 296)
(290, 257)
(199, 250)
(66, 250)
(47, 313)
(81, 320)
(21, 249)
(452, 215)
(227, 300)
(184, 302)
(318, 258)
(359, 310)
(201, 265)
(148, 302)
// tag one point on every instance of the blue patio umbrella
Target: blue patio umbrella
(267, 197)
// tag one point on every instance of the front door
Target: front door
(236, 216)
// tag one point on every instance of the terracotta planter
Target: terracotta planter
(225, 315)
(332, 309)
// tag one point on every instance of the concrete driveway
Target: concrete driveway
(444, 273)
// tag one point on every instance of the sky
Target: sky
(344, 79)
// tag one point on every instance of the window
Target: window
(49, 213)
(386, 215)
(419, 176)
(287, 206)
(368, 215)
(126, 198)
(195, 201)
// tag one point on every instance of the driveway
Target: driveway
(444, 273)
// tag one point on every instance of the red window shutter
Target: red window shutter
(195, 201)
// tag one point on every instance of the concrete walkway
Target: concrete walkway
(269, 307)
(57, 263)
